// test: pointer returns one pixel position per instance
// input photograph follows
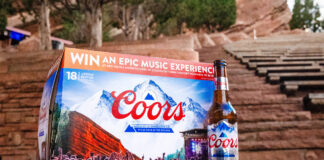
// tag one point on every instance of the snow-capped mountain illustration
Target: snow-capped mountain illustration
(98, 108)
(224, 126)
(151, 88)
(192, 106)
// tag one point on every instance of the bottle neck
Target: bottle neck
(221, 84)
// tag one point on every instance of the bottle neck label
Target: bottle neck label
(221, 83)
(222, 141)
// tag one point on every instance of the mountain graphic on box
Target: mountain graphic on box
(98, 108)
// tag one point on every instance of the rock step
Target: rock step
(245, 78)
(269, 108)
(263, 116)
(241, 95)
(306, 143)
(238, 98)
(280, 126)
(233, 66)
(32, 58)
(318, 116)
(295, 154)
(266, 100)
(287, 134)
(25, 67)
(253, 87)
(23, 77)
(235, 71)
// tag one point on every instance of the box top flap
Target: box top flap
(133, 64)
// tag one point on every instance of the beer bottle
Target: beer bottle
(222, 119)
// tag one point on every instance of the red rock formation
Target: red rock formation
(84, 137)
(265, 16)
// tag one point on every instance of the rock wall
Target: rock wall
(265, 16)
(259, 17)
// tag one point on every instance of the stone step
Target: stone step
(257, 55)
(265, 99)
(318, 116)
(265, 70)
(255, 94)
(287, 134)
(306, 55)
(290, 59)
(275, 78)
(253, 87)
(291, 87)
(268, 108)
(314, 102)
(240, 71)
(277, 64)
(306, 143)
(245, 79)
(263, 116)
(34, 59)
(279, 126)
(263, 59)
(25, 67)
(23, 77)
(288, 154)
(238, 65)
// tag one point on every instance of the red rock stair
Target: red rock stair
(271, 125)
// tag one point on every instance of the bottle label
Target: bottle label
(221, 83)
(222, 141)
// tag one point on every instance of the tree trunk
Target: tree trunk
(94, 23)
(44, 26)
(138, 22)
(127, 21)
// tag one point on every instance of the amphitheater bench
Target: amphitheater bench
(242, 56)
(262, 71)
(254, 65)
(264, 59)
(291, 87)
(305, 55)
(290, 59)
(275, 78)
(314, 102)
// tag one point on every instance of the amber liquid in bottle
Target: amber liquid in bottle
(222, 119)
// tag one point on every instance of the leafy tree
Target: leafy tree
(3, 20)
(75, 29)
(212, 14)
(6, 8)
(317, 26)
(92, 11)
(306, 15)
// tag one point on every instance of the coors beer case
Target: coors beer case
(99, 105)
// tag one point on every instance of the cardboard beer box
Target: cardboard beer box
(99, 105)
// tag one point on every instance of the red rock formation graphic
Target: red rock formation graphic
(83, 137)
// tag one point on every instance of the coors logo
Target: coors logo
(167, 115)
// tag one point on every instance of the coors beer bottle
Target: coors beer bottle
(222, 119)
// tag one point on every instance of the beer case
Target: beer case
(99, 105)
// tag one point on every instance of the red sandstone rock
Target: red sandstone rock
(29, 44)
(13, 117)
(263, 15)
(85, 137)
(205, 40)
(220, 38)
(236, 36)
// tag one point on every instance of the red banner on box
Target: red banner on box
(124, 63)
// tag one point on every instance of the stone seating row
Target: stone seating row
(293, 70)
(314, 102)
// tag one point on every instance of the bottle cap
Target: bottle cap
(220, 63)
